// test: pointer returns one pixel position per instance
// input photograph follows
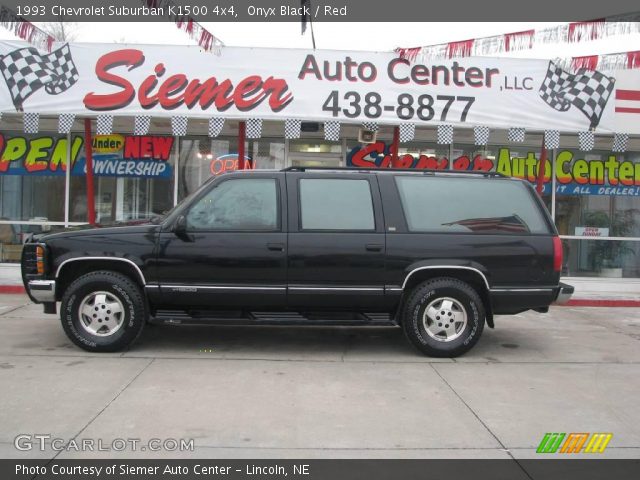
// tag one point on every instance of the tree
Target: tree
(61, 31)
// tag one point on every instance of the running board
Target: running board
(178, 317)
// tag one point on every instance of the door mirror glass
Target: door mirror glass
(180, 227)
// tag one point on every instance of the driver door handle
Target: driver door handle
(276, 247)
(374, 247)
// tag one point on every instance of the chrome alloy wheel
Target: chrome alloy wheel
(444, 319)
(101, 314)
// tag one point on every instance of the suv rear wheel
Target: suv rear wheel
(103, 311)
(443, 317)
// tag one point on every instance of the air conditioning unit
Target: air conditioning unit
(366, 136)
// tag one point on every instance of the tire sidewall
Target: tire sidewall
(432, 291)
(134, 313)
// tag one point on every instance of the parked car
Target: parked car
(437, 253)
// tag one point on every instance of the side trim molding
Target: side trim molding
(195, 288)
(521, 290)
(337, 289)
(144, 282)
(444, 267)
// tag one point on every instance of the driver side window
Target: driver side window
(237, 204)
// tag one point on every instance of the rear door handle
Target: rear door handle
(277, 247)
(374, 247)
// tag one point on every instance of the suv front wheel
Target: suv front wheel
(443, 317)
(103, 311)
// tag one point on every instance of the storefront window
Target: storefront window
(596, 193)
(315, 152)
(601, 258)
(202, 157)
(592, 198)
(596, 197)
(32, 188)
(133, 178)
(32, 177)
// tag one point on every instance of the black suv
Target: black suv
(437, 253)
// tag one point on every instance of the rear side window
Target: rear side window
(469, 205)
(336, 204)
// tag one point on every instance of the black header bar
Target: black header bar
(321, 11)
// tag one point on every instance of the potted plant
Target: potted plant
(607, 256)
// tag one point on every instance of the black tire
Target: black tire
(463, 335)
(130, 321)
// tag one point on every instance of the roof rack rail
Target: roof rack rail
(382, 170)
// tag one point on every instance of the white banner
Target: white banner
(354, 87)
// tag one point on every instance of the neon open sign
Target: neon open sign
(228, 163)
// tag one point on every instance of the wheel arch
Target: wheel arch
(474, 275)
(72, 268)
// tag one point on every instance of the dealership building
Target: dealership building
(162, 120)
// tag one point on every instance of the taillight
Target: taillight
(40, 260)
(557, 254)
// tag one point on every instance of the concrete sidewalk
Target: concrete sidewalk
(309, 392)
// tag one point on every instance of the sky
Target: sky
(343, 36)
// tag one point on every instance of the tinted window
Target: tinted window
(240, 204)
(469, 205)
(336, 204)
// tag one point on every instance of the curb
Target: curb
(585, 302)
(12, 289)
(577, 302)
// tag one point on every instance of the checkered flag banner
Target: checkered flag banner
(292, 128)
(254, 128)
(586, 141)
(588, 91)
(26, 71)
(65, 122)
(104, 124)
(407, 132)
(516, 134)
(179, 125)
(332, 130)
(445, 134)
(31, 122)
(373, 126)
(620, 142)
(141, 124)
(481, 135)
(551, 139)
(215, 126)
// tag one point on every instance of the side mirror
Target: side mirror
(180, 227)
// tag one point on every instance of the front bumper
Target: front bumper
(564, 294)
(43, 291)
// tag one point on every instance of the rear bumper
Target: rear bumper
(565, 291)
(510, 300)
(42, 291)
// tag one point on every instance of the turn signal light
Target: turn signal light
(40, 259)
(557, 254)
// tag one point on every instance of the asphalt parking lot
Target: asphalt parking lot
(283, 392)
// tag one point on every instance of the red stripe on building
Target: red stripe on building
(627, 94)
(627, 110)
